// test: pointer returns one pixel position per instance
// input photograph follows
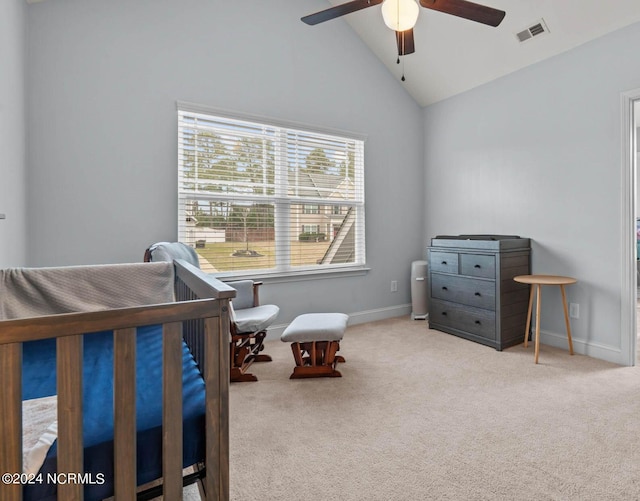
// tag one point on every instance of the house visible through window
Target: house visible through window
(311, 228)
(263, 197)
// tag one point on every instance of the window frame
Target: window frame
(284, 270)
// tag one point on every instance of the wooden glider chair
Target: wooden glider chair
(249, 319)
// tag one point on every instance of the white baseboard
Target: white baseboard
(362, 317)
(359, 317)
(608, 353)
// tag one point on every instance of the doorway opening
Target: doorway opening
(630, 102)
(635, 160)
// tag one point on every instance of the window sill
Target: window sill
(298, 276)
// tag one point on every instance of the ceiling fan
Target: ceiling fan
(401, 15)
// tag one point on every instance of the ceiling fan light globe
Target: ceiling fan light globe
(400, 15)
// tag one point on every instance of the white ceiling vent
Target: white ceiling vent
(536, 29)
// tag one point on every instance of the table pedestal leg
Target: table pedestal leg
(566, 318)
(538, 302)
(526, 329)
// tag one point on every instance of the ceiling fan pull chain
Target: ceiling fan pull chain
(402, 36)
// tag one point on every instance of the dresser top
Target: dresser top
(489, 242)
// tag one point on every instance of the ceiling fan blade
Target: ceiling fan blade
(404, 39)
(339, 10)
(468, 10)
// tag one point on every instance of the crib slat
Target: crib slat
(124, 374)
(172, 411)
(224, 337)
(216, 375)
(70, 453)
(11, 419)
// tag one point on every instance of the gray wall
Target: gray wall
(538, 153)
(104, 77)
(12, 133)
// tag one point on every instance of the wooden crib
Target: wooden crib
(200, 313)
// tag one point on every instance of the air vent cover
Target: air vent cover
(536, 29)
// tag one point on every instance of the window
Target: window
(268, 198)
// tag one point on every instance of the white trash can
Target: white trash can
(419, 290)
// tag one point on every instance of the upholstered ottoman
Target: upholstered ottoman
(315, 339)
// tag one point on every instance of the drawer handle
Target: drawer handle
(478, 322)
(477, 266)
(444, 313)
(444, 262)
(478, 294)
(444, 289)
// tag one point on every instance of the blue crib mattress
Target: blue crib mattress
(39, 380)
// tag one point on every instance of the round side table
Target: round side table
(536, 282)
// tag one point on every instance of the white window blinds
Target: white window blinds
(257, 197)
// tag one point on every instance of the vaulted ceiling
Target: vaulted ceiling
(454, 55)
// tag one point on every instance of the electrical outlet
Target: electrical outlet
(574, 310)
(394, 286)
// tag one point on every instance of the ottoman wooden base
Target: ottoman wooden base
(316, 359)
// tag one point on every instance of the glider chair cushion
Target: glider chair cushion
(249, 319)
(255, 318)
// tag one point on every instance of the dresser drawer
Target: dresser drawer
(472, 320)
(478, 265)
(465, 290)
(445, 262)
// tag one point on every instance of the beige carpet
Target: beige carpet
(422, 415)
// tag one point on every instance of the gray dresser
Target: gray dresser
(472, 293)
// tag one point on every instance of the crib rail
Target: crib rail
(68, 329)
